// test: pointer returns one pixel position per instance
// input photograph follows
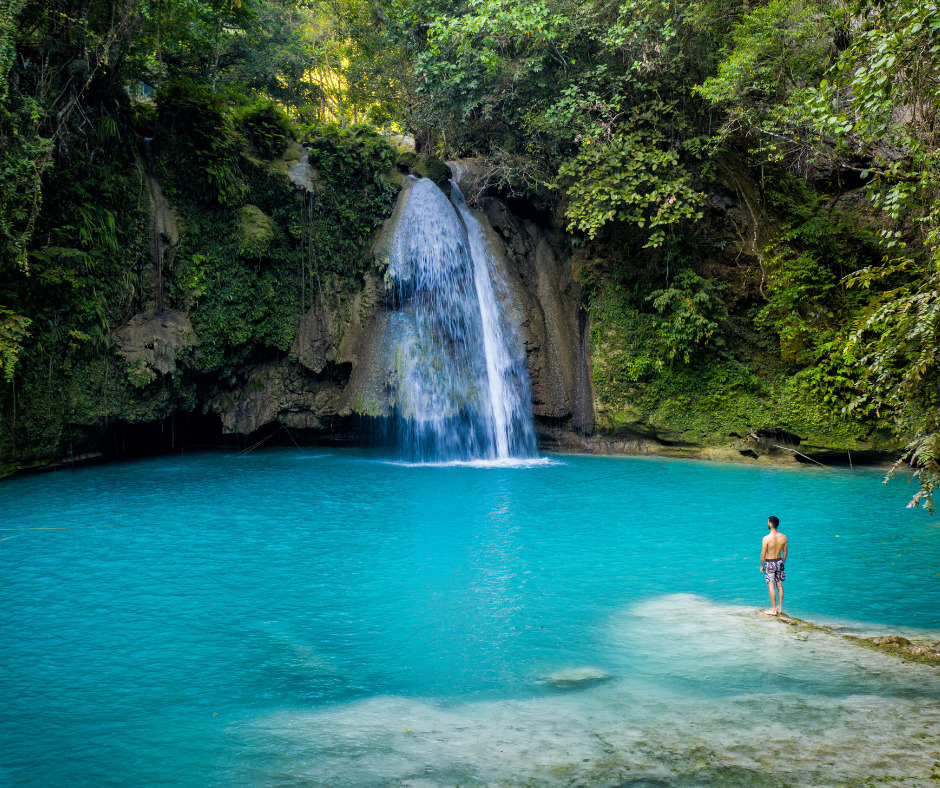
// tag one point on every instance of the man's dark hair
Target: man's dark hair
(774, 521)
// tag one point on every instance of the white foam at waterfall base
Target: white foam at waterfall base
(701, 695)
(508, 462)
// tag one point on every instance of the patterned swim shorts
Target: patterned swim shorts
(773, 571)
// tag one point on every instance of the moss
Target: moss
(425, 166)
(256, 231)
(895, 646)
(695, 766)
(704, 402)
(368, 407)
(734, 384)
(291, 156)
(433, 168)
(65, 414)
(406, 160)
(911, 652)
(561, 769)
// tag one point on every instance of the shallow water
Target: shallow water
(285, 618)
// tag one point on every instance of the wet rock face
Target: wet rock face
(314, 346)
(425, 167)
(295, 164)
(542, 277)
(278, 391)
(151, 342)
(164, 239)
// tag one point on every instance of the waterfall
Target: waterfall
(462, 385)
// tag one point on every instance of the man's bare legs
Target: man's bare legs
(775, 609)
(773, 598)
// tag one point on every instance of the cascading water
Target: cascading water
(463, 389)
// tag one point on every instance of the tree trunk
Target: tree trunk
(159, 46)
(215, 62)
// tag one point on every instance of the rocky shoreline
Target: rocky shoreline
(749, 449)
(557, 440)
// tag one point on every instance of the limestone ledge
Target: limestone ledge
(748, 449)
(922, 651)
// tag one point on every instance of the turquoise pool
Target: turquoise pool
(332, 618)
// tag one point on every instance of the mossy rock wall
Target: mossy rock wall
(254, 255)
(741, 375)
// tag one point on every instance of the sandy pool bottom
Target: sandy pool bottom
(697, 695)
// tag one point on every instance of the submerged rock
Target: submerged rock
(578, 677)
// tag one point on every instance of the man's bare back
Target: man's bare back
(774, 546)
(772, 556)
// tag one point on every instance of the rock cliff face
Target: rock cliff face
(280, 392)
(151, 342)
(343, 362)
(543, 282)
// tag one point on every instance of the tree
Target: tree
(881, 103)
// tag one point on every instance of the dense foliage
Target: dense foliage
(83, 147)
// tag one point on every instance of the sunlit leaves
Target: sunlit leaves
(632, 177)
(881, 101)
(777, 52)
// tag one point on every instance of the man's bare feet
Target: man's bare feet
(770, 612)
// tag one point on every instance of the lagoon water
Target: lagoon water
(331, 618)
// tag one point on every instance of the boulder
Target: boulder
(295, 164)
(433, 168)
(425, 167)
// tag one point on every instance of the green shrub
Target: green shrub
(354, 194)
(690, 313)
(197, 138)
(266, 126)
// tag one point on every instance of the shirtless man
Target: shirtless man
(772, 555)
